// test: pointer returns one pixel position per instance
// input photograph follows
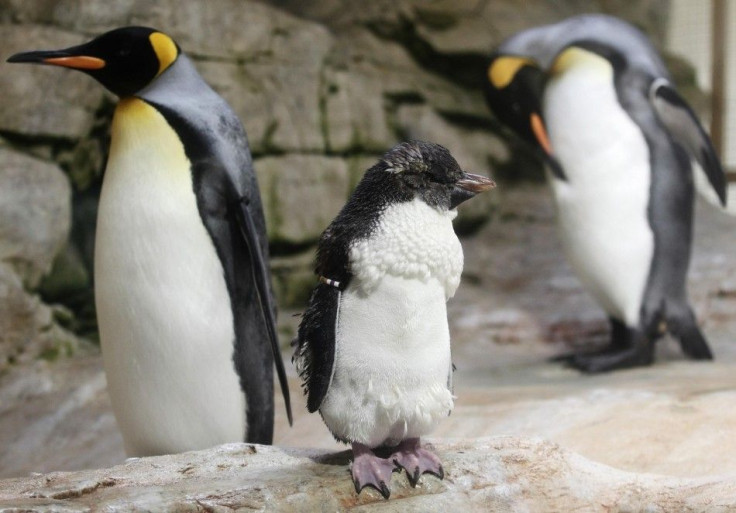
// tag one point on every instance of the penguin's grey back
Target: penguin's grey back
(545, 42)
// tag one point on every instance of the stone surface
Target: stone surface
(499, 474)
(28, 328)
(39, 101)
(35, 214)
(340, 80)
(79, 430)
(301, 195)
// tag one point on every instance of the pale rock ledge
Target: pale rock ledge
(491, 474)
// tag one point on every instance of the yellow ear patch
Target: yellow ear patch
(165, 48)
(503, 70)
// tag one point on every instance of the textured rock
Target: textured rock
(293, 280)
(27, 326)
(39, 101)
(35, 214)
(79, 429)
(280, 109)
(301, 195)
(504, 474)
(355, 113)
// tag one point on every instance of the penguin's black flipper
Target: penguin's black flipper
(260, 272)
(681, 122)
(315, 354)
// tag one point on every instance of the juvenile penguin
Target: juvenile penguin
(595, 97)
(182, 287)
(374, 345)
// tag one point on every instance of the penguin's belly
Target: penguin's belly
(392, 363)
(392, 349)
(163, 308)
(602, 208)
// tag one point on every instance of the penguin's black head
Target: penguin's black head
(124, 60)
(427, 170)
(513, 91)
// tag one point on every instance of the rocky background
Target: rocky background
(323, 88)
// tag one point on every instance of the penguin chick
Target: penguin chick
(595, 98)
(373, 346)
(182, 287)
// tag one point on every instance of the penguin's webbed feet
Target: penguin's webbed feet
(370, 470)
(635, 356)
(416, 460)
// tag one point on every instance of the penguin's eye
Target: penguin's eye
(123, 51)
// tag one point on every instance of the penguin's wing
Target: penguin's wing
(681, 122)
(260, 274)
(316, 339)
(315, 354)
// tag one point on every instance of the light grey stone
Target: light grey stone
(35, 214)
(278, 105)
(43, 101)
(301, 195)
(494, 474)
(27, 327)
(355, 112)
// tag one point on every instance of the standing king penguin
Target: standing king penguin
(374, 343)
(182, 287)
(593, 95)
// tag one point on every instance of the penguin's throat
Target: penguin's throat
(412, 241)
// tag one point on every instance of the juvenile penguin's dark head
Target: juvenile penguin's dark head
(427, 170)
(124, 60)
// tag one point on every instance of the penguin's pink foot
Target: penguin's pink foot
(370, 470)
(416, 461)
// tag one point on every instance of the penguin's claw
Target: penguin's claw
(417, 461)
(370, 470)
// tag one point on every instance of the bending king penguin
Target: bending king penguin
(182, 288)
(594, 96)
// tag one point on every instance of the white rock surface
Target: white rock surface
(495, 474)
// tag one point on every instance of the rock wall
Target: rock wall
(322, 87)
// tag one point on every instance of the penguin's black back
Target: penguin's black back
(222, 174)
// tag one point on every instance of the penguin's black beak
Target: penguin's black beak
(66, 58)
(468, 186)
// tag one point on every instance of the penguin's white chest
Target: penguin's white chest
(602, 208)
(392, 362)
(163, 308)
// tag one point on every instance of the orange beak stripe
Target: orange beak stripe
(540, 132)
(77, 62)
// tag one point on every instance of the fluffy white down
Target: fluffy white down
(602, 208)
(164, 311)
(392, 362)
(414, 241)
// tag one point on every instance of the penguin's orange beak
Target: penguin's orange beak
(540, 132)
(59, 58)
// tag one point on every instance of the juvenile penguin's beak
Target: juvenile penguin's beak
(66, 58)
(468, 186)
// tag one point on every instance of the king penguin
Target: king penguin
(592, 94)
(182, 286)
(373, 346)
